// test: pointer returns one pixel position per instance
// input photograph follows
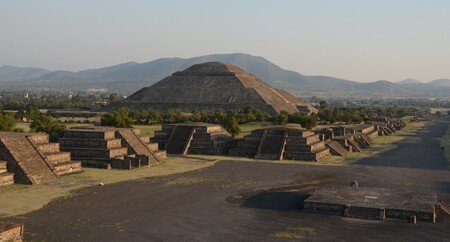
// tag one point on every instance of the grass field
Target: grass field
(20, 199)
(148, 130)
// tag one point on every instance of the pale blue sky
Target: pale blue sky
(362, 40)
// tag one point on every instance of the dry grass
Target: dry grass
(298, 232)
(20, 199)
(148, 130)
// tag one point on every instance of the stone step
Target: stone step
(199, 135)
(68, 167)
(152, 146)
(201, 142)
(90, 143)
(89, 134)
(39, 138)
(305, 134)
(306, 140)
(6, 178)
(306, 156)
(3, 166)
(48, 147)
(160, 154)
(146, 139)
(202, 150)
(80, 153)
(304, 148)
(57, 157)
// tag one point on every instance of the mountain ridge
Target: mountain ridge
(131, 76)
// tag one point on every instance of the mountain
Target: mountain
(440, 83)
(409, 81)
(131, 76)
(12, 73)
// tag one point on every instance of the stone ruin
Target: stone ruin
(344, 139)
(109, 147)
(374, 203)
(192, 138)
(12, 232)
(33, 159)
(387, 126)
(210, 86)
(281, 143)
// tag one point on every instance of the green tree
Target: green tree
(232, 127)
(118, 118)
(7, 122)
(46, 124)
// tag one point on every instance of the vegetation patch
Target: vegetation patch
(297, 232)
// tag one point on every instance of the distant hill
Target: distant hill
(12, 73)
(440, 83)
(409, 81)
(130, 77)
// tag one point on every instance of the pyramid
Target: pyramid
(213, 85)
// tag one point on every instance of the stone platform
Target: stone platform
(372, 203)
(109, 147)
(11, 232)
(281, 143)
(33, 159)
(192, 138)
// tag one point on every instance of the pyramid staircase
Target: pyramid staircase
(179, 140)
(141, 146)
(281, 143)
(60, 162)
(108, 147)
(336, 148)
(192, 138)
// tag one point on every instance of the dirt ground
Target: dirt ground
(238, 200)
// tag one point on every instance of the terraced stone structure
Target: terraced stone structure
(33, 159)
(281, 143)
(373, 203)
(11, 232)
(109, 147)
(192, 138)
(214, 85)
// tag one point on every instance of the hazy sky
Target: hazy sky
(361, 40)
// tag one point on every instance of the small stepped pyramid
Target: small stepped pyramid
(109, 147)
(61, 162)
(281, 143)
(192, 138)
(6, 178)
(93, 147)
(33, 159)
(305, 146)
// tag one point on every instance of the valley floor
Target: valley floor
(235, 200)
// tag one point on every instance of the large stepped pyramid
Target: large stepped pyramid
(192, 138)
(33, 159)
(281, 143)
(109, 147)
